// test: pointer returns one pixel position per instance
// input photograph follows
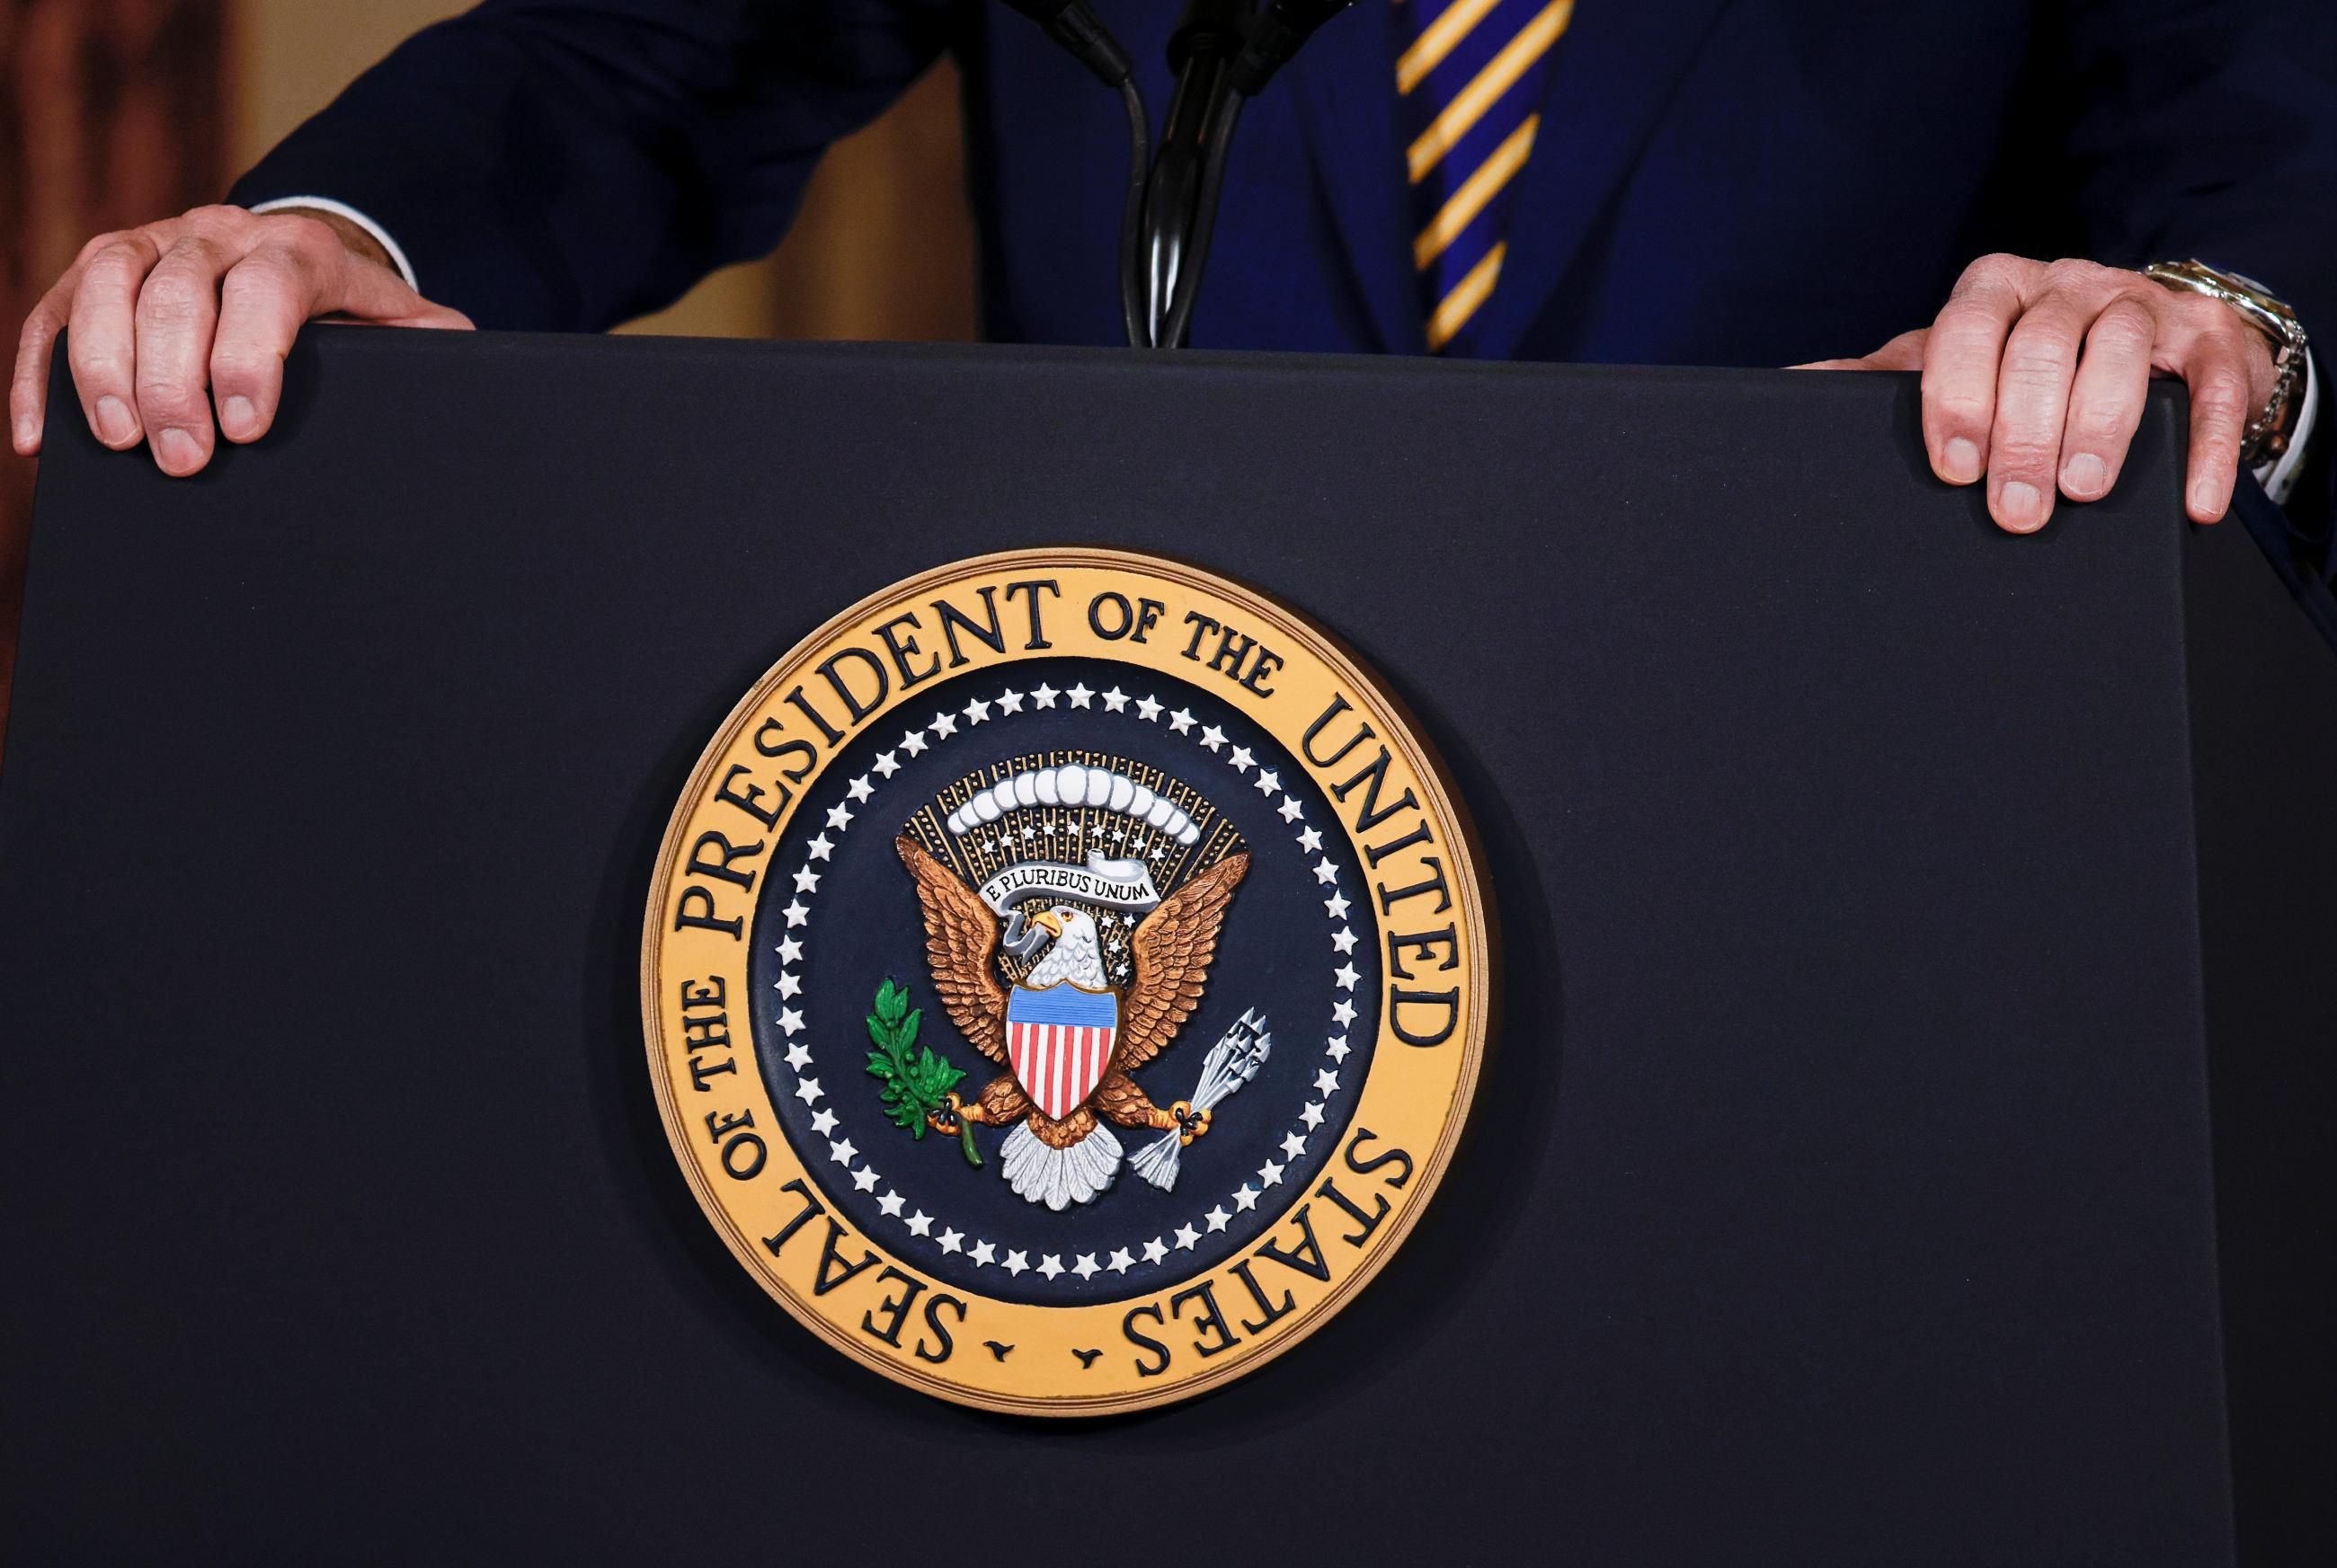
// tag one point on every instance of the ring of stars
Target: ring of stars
(1328, 1083)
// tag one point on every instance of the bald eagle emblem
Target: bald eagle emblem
(1071, 969)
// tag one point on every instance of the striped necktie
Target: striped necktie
(1470, 77)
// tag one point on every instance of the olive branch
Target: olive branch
(916, 1082)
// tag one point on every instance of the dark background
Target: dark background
(1840, 1189)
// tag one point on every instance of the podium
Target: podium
(1905, 1137)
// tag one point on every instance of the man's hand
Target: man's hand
(205, 304)
(2034, 374)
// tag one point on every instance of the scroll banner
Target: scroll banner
(1114, 884)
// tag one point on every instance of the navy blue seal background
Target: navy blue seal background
(825, 941)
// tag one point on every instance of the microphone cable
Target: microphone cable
(1078, 31)
(1274, 36)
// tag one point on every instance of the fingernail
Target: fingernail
(2205, 502)
(25, 431)
(2084, 475)
(176, 451)
(2019, 507)
(1960, 461)
(115, 427)
(237, 418)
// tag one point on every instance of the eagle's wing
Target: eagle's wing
(1172, 949)
(962, 948)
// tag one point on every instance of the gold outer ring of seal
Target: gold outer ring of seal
(1477, 946)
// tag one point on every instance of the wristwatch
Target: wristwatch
(2275, 425)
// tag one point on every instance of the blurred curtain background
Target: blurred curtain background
(113, 113)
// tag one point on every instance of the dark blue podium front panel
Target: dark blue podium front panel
(1842, 1186)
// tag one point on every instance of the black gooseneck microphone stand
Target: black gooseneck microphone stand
(1223, 54)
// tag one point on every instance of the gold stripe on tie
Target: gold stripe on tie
(1428, 51)
(1500, 75)
(1475, 191)
(1452, 313)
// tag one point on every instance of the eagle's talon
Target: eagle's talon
(951, 1115)
(1191, 1123)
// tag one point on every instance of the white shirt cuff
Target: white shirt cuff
(2279, 479)
(380, 235)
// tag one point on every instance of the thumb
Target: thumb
(367, 291)
(1905, 352)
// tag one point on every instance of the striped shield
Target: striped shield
(1059, 1041)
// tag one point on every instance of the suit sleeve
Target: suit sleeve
(2208, 128)
(569, 164)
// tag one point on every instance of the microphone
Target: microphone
(1275, 36)
(1071, 23)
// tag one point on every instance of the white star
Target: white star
(789, 950)
(1269, 782)
(1326, 873)
(1338, 1048)
(791, 1020)
(1148, 709)
(976, 712)
(1187, 1237)
(1327, 1082)
(1246, 1199)
(1310, 840)
(1155, 1250)
(1050, 1265)
(821, 847)
(1181, 721)
(795, 913)
(943, 724)
(1269, 1174)
(822, 1123)
(921, 1223)
(1044, 695)
(859, 789)
(788, 984)
(806, 880)
(808, 1090)
(839, 816)
(1115, 700)
(1293, 1145)
(1217, 1217)
(1338, 904)
(1121, 1260)
(1241, 759)
(1017, 1262)
(1010, 701)
(865, 1178)
(1290, 809)
(913, 741)
(982, 1254)
(1028, 832)
(1086, 1267)
(1343, 1012)
(1312, 1115)
(1344, 940)
(890, 1204)
(842, 1153)
(798, 1054)
(1346, 975)
(952, 1240)
(1080, 695)
(1214, 738)
(889, 765)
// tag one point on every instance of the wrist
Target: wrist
(2277, 420)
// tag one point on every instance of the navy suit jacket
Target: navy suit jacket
(1752, 183)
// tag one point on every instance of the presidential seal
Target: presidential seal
(1065, 979)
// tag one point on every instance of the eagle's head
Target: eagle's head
(1076, 953)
